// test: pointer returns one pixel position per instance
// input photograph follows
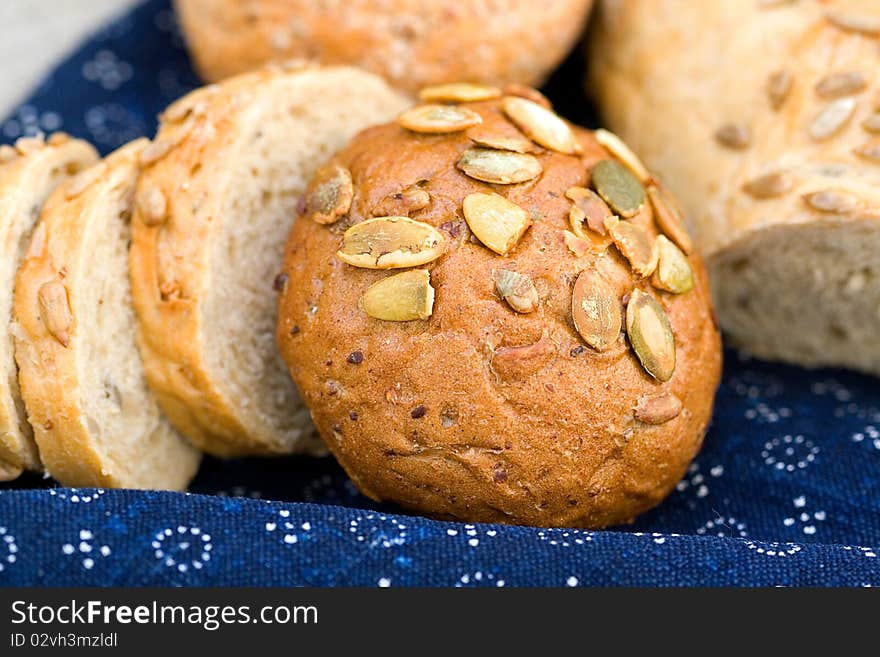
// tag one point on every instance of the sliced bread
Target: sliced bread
(29, 172)
(217, 198)
(95, 421)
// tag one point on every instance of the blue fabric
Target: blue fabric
(785, 492)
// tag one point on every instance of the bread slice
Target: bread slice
(216, 201)
(95, 421)
(29, 172)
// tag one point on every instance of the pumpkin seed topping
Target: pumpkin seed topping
(669, 217)
(439, 119)
(329, 194)
(855, 21)
(499, 167)
(618, 187)
(618, 148)
(658, 409)
(636, 245)
(733, 135)
(595, 310)
(495, 221)
(587, 208)
(870, 151)
(779, 86)
(458, 92)
(516, 289)
(832, 201)
(391, 243)
(872, 123)
(403, 297)
(540, 124)
(674, 273)
(650, 335)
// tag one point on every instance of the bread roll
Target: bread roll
(29, 172)
(410, 42)
(763, 117)
(455, 316)
(215, 202)
(82, 380)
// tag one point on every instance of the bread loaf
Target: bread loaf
(410, 42)
(29, 172)
(764, 118)
(218, 194)
(455, 320)
(82, 380)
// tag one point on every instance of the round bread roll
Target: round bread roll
(479, 317)
(215, 202)
(764, 118)
(95, 421)
(410, 42)
(29, 172)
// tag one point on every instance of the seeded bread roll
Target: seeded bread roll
(215, 202)
(82, 380)
(487, 322)
(29, 172)
(776, 162)
(410, 42)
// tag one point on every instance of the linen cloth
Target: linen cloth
(786, 490)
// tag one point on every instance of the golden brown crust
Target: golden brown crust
(446, 416)
(191, 165)
(28, 174)
(411, 42)
(50, 360)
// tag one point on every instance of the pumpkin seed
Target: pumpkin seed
(153, 205)
(439, 119)
(618, 148)
(516, 289)
(391, 243)
(521, 361)
(329, 194)
(495, 221)
(577, 245)
(835, 85)
(529, 93)
(650, 335)
(658, 409)
(403, 203)
(27, 145)
(674, 273)
(501, 136)
(636, 245)
(540, 124)
(595, 310)
(832, 201)
(500, 167)
(855, 21)
(832, 118)
(669, 218)
(733, 135)
(458, 92)
(769, 185)
(619, 188)
(403, 297)
(870, 151)
(779, 86)
(588, 208)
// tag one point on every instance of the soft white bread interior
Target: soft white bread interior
(764, 119)
(29, 172)
(217, 198)
(95, 420)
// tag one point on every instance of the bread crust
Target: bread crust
(51, 363)
(199, 137)
(444, 416)
(672, 72)
(410, 42)
(28, 174)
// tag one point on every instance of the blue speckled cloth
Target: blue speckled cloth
(785, 492)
